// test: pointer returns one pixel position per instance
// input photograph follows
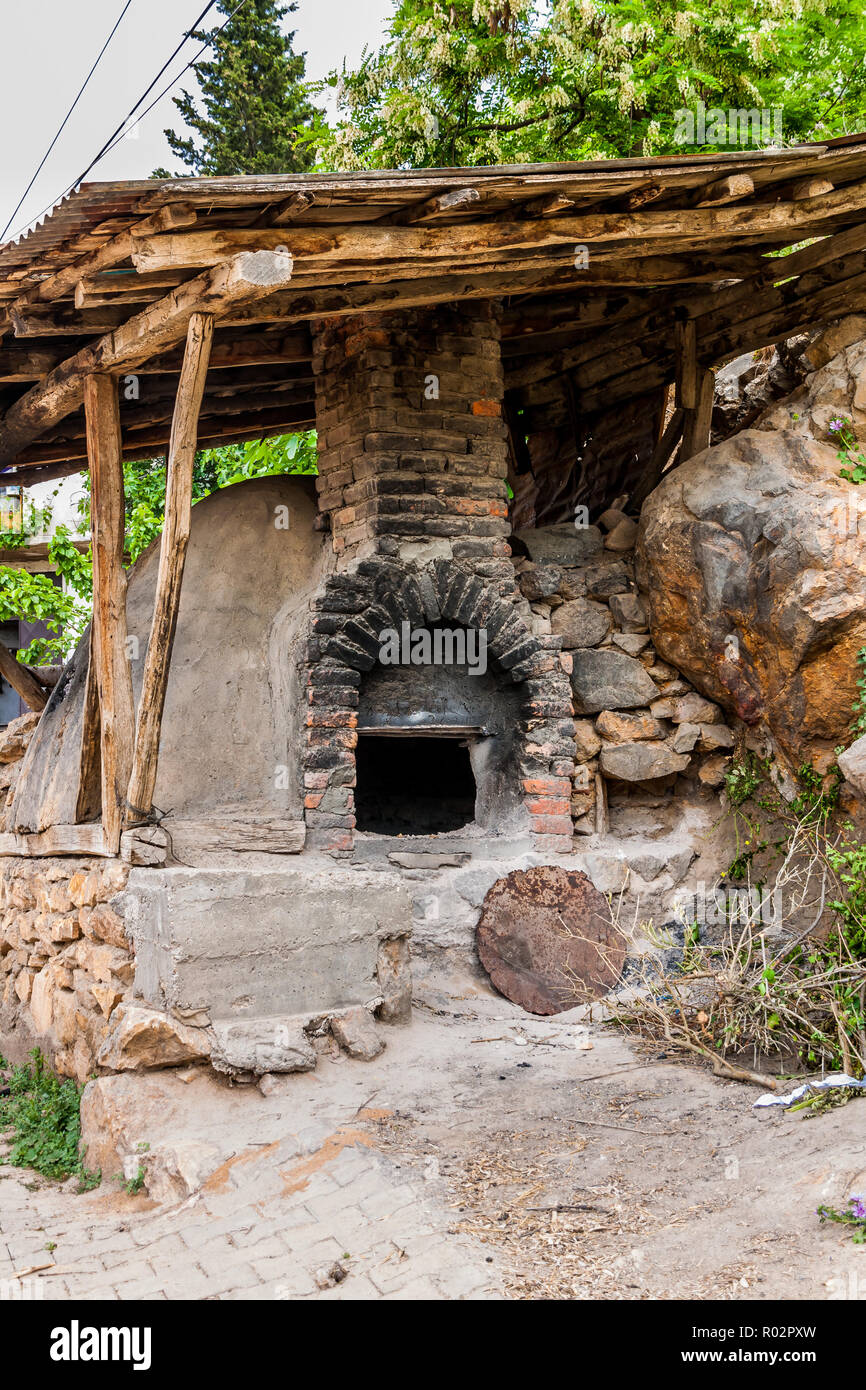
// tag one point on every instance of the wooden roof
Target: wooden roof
(109, 279)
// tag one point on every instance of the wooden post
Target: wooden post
(696, 427)
(172, 555)
(108, 640)
(22, 680)
(89, 797)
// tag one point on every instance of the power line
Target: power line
(118, 134)
(65, 119)
(157, 99)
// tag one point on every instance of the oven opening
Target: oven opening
(408, 785)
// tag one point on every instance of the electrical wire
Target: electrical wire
(62, 126)
(118, 134)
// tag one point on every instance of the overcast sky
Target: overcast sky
(50, 45)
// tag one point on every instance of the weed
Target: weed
(854, 1216)
(42, 1111)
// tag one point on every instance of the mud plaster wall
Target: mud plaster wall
(230, 718)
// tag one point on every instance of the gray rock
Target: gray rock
(628, 612)
(540, 581)
(852, 765)
(694, 709)
(261, 1045)
(606, 579)
(609, 680)
(581, 623)
(631, 642)
(357, 1034)
(641, 762)
(714, 736)
(685, 738)
(563, 544)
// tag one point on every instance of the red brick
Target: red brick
(552, 825)
(486, 407)
(548, 807)
(547, 786)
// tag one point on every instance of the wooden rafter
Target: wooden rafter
(247, 276)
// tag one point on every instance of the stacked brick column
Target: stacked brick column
(412, 445)
(412, 469)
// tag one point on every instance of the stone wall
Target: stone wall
(65, 961)
(638, 724)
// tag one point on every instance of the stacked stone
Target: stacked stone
(412, 444)
(638, 722)
(64, 955)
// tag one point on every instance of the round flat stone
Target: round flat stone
(546, 939)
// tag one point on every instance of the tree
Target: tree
(255, 107)
(520, 81)
(67, 611)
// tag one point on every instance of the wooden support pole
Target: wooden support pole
(172, 555)
(696, 426)
(89, 798)
(22, 680)
(109, 648)
(686, 349)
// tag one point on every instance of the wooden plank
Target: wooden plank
(89, 799)
(115, 250)
(696, 424)
(113, 676)
(172, 556)
(58, 840)
(686, 352)
(246, 277)
(286, 211)
(373, 243)
(234, 835)
(22, 680)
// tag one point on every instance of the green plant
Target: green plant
(743, 779)
(132, 1186)
(854, 463)
(854, 1217)
(42, 1111)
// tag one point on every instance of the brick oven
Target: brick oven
(413, 460)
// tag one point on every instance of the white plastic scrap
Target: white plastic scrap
(839, 1078)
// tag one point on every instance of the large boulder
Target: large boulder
(756, 591)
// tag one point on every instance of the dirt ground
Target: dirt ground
(551, 1154)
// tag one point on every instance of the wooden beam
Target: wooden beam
(686, 351)
(548, 205)
(113, 676)
(172, 556)
(246, 277)
(727, 190)
(22, 680)
(287, 211)
(810, 188)
(374, 243)
(89, 798)
(118, 248)
(696, 424)
(441, 206)
(58, 840)
(25, 366)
